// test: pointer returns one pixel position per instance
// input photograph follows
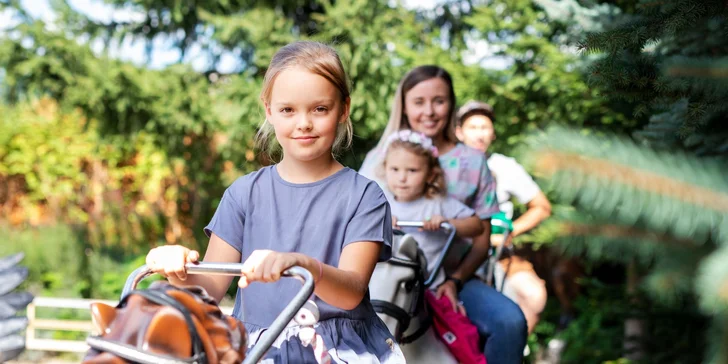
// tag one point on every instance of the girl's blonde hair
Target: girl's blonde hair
(435, 185)
(319, 59)
(398, 119)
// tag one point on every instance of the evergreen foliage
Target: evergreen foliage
(664, 210)
(661, 58)
(658, 199)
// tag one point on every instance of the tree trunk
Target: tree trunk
(634, 328)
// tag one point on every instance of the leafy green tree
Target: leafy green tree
(544, 83)
(172, 108)
(199, 125)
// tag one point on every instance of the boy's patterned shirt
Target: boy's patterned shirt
(469, 180)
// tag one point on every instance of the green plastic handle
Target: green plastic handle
(498, 229)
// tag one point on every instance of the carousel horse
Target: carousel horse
(397, 291)
(184, 325)
(165, 324)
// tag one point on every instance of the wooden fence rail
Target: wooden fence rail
(77, 346)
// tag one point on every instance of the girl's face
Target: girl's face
(427, 107)
(476, 132)
(305, 110)
(406, 174)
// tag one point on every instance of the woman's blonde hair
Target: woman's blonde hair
(398, 119)
(319, 59)
(435, 185)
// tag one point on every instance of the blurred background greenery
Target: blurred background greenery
(105, 154)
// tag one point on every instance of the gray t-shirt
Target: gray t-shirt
(263, 211)
(431, 242)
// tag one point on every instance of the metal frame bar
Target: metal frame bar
(493, 259)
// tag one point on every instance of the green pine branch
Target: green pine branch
(712, 282)
(616, 180)
(665, 210)
(705, 68)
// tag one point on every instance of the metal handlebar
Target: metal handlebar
(501, 224)
(506, 225)
(412, 223)
(235, 269)
(445, 226)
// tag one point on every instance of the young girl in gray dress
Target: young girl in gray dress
(417, 192)
(307, 210)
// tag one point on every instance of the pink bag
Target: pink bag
(455, 330)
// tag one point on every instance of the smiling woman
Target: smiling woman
(425, 102)
(428, 106)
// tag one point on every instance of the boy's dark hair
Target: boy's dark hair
(473, 107)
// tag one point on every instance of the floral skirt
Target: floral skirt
(346, 341)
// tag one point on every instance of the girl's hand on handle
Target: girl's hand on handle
(170, 260)
(449, 290)
(265, 266)
(394, 222)
(433, 223)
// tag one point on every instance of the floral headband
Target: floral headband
(414, 137)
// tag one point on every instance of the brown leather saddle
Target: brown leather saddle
(165, 324)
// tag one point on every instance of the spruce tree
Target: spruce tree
(656, 200)
(668, 58)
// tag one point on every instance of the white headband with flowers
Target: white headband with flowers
(414, 137)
